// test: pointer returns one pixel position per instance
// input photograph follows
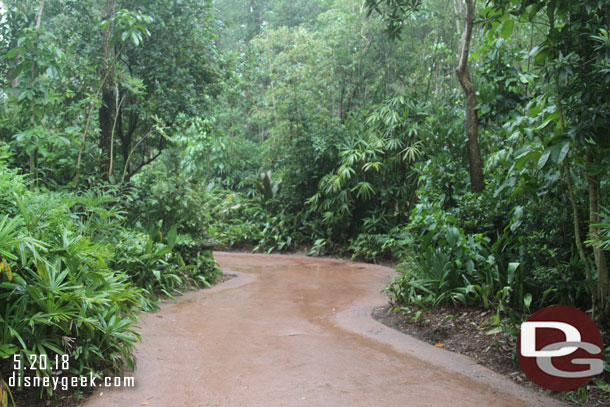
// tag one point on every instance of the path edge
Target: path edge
(359, 319)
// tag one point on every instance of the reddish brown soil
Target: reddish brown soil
(297, 331)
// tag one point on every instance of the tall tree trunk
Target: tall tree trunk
(34, 152)
(471, 122)
(107, 110)
(575, 215)
(272, 85)
(432, 70)
(580, 247)
(127, 137)
(603, 284)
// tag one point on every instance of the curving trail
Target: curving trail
(297, 331)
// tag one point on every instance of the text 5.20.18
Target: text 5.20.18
(41, 362)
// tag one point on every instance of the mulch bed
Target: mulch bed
(469, 331)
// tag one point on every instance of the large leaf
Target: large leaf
(507, 28)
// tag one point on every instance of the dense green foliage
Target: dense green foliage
(364, 136)
(132, 132)
(82, 249)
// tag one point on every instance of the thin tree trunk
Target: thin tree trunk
(117, 115)
(107, 110)
(83, 138)
(432, 69)
(34, 153)
(576, 216)
(272, 84)
(598, 252)
(577, 236)
(128, 157)
(127, 137)
(471, 123)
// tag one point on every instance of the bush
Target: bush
(493, 254)
(166, 264)
(74, 274)
(236, 221)
(59, 296)
(444, 263)
(371, 247)
(161, 198)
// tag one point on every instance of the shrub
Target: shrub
(237, 221)
(159, 197)
(74, 274)
(58, 294)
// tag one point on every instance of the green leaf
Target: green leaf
(525, 155)
(527, 301)
(507, 29)
(544, 158)
(516, 220)
(135, 39)
(559, 152)
(541, 56)
(508, 183)
(12, 53)
(523, 78)
(602, 385)
(512, 270)
(364, 189)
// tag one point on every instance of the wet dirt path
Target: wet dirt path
(297, 331)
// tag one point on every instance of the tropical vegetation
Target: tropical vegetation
(465, 141)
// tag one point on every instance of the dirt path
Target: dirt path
(297, 331)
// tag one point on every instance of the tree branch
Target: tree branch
(139, 167)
